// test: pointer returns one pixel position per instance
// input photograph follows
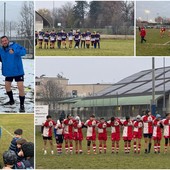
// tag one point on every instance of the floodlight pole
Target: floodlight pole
(153, 107)
(164, 95)
(53, 14)
(4, 18)
(94, 109)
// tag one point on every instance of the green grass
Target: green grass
(100, 161)
(108, 48)
(11, 122)
(152, 47)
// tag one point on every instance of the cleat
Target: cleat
(22, 109)
(9, 103)
(52, 152)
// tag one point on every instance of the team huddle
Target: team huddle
(70, 129)
(81, 40)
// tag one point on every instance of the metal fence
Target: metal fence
(28, 43)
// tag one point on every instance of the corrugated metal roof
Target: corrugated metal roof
(139, 84)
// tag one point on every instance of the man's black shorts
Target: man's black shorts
(59, 138)
(16, 78)
(47, 138)
(147, 135)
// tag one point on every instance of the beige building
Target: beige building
(70, 91)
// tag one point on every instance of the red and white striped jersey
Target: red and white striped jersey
(148, 124)
(68, 126)
(47, 128)
(102, 128)
(115, 126)
(138, 126)
(91, 125)
(157, 132)
(127, 128)
(166, 124)
(78, 126)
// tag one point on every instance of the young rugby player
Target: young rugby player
(166, 125)
(91, 133)
(115, 125)
(102, 135)
(148, 130)
(47, 133)
(157, 133)
(78, 135)
(46, 39)
(70, 38)
(68, 133)
(58, 131)
(137, 134)
(127, 133)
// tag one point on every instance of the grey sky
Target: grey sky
(49, 4)
(12, 10)
(161, 8)
(95, 70)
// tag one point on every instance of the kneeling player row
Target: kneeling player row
(71, 129)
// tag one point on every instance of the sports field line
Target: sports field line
(10, 132)
(7, 131)
(167, 43)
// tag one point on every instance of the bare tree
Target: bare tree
(52, 92)
(27, 19)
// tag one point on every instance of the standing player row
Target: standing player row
(70, 129)
(82, 40)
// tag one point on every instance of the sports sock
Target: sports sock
(10, 95)
(22, 99)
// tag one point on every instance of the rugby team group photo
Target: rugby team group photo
(84, 84)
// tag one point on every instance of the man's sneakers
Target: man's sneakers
(9, 103)
(22, 109)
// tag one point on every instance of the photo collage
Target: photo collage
(84, 84)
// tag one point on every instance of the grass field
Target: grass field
(155, 45)
(11, 122)
(100, 161)
(107, 48)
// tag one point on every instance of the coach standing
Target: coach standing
(143, 34)
(12, 69)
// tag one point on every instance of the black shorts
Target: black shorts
(46, 40)
(16, 78)
(59, 139)
(47, 138)
(147, 135)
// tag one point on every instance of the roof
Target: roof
(123, 101)
(71, 100)
(139, 84)
(45, 21)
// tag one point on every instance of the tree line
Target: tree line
(93, 14)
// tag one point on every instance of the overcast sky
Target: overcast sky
(12, 10)
(49, 4)
(156, 8)
(95, 70)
